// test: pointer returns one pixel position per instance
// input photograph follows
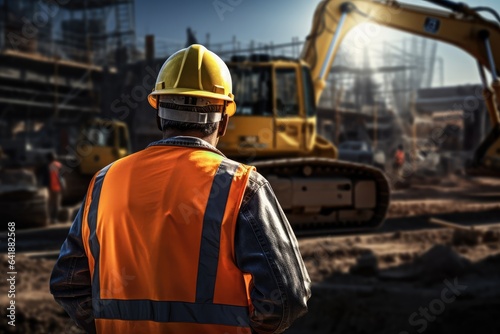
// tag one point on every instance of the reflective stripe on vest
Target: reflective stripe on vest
(210, 238)
(204, 311)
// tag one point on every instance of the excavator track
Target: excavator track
(323, 195)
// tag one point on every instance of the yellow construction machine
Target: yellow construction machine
(23, 165)
(101, 142)
(274, 127)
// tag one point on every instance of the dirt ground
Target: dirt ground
(434, 281)
(427, 281)
(450, 194)
(36, 310)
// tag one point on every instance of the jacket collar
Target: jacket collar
(186, 141)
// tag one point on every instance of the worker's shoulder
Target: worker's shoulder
(125, 161)
(255, 182)
(258, 187)
(255, 179)
(131, 157)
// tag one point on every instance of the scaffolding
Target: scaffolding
(89, 31)
(234, 47)
(61, 61)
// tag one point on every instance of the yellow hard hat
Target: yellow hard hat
(197, 72)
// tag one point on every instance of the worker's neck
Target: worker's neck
(211, 139)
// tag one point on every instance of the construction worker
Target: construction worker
(177, 238)
(399, 160)
(55, 186)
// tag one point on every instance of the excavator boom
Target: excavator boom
(333, 19)
(462, 27)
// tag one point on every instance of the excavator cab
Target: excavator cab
(101, 142)
(276, 110)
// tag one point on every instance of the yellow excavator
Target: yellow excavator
(274, 127)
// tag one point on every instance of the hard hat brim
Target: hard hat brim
(153, 97)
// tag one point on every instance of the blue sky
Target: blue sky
(262, 21)
(259, 20)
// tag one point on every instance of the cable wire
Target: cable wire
(489, 10)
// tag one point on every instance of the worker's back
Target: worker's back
(177, 238)
(161, 215)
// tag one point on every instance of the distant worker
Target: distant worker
(399, 160)
(55, 185)
(177, 238)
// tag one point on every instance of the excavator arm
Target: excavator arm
(333, 19)
(462, 27)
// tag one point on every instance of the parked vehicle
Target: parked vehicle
(356, 151)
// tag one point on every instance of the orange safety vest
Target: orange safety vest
(399, 158)
(158, 230)
(54, 182)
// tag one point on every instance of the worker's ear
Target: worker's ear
(223, 125)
